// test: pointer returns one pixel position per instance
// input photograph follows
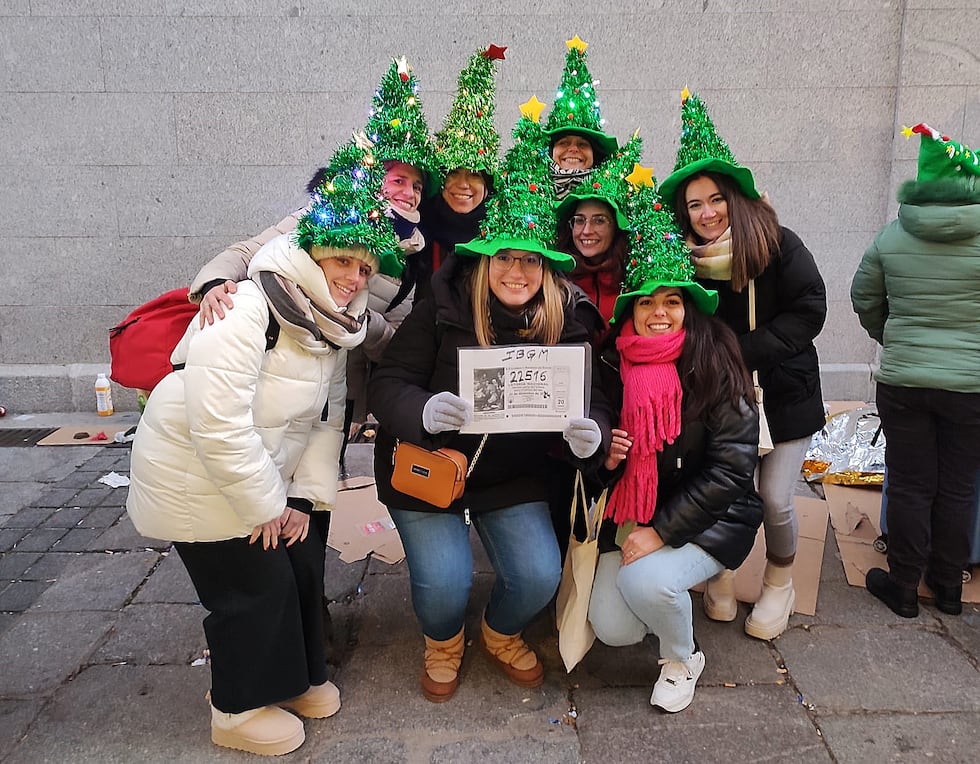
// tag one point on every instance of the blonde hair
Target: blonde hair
(547, 307)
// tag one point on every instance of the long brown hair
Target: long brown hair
(754, 224)
(615, 255)
(546, 308)
(711, 368)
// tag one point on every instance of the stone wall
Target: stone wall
(139, 138)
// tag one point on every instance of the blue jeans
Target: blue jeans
(650, 596)
(520, 542)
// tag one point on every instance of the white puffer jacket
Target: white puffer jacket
(225, 440)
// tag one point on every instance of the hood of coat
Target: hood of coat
(941, 222)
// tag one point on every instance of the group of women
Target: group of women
(237, 455)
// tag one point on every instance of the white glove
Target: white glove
(583, 436)
(445, 411)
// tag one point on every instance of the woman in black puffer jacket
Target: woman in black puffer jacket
(683, 505)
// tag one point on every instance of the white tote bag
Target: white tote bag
(575, 635)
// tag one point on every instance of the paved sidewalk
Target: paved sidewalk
(100, 630)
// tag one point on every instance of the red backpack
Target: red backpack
(141, 345)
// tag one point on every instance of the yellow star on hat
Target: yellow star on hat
(532, 109)
(640, 176)
(576, 43)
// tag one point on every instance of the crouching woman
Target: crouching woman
(683, 506)
(235, 460)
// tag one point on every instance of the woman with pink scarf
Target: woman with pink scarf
(683, 506)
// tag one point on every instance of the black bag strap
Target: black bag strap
(271, 337)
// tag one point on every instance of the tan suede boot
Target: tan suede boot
(719, 597)
(512, 655)
(268, 731)
(318, 702)
(440, 671)
(770, 616)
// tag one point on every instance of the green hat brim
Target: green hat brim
(605, 143)
(741, 175)
(705, 300)
(489, 247)
(564, 210)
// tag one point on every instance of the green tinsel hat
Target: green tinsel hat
(346, 208)
(940, 157)
(610, 183)
(521, 214)
(396, 125)
(658, 257)
(703, 150)
(468, 138)
(576, 110)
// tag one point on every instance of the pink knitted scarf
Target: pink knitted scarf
(651, 415)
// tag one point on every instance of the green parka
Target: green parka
(917, 289)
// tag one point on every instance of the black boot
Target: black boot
(949, 599)
(902, 600)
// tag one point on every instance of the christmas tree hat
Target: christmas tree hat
(468, 138)
(940, 157)
(610, 183)
(521, 215)
(658, 255)
(703, 150)
(576, 110)
(396, 125)
(347, 211)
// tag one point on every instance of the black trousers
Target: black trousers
(932, 451)
(265, 623)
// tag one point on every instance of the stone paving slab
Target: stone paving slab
(15, 718)
(891, 668)
(722, 725)
(44, 465)
(381, 683)
(121, 536)
(97, 582)
(169, 582)
(125, 714)
(41, 650)
(912, 738)
(156, 634)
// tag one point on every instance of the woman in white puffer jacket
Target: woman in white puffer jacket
(235, 451)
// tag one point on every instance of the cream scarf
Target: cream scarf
(298, 296)
(713, 260)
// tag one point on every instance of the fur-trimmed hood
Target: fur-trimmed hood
(965, 190)
(945, 210)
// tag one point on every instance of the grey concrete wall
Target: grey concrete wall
(138, 137)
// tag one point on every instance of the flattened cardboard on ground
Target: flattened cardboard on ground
(855, 512)
(812, 516)
(65, 436)
(361, 525)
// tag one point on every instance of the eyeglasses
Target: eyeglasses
(505, 262)
(596, 221)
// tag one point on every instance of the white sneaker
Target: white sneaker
(674, 690)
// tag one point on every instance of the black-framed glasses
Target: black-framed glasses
(505, 261)
(596, 221)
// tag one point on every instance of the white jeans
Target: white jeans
(778, 472)
(650, 596)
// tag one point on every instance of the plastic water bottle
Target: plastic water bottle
(103, 395)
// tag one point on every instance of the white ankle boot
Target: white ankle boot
(771, 613)
(719, 597)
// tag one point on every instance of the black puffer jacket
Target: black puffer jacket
(421, 360)
(791, 306)
(705, 491)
